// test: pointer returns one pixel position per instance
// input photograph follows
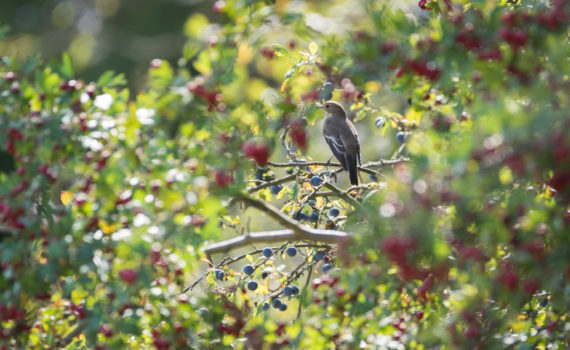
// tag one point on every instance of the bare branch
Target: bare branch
(271, 183)
(68, 338)
(342, 194)
(326, 236)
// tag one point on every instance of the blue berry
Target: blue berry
(203, 311)
(315, 181)
(401, 137)
(265, 306)
(295, 290)
(267, 252)
(302, 217)
(288, 291)
(252, 285)
(334, 212)
(373, 177)
(327, 267)
(276, 303)
(220, 275)
(282, 307)
(291, 251)
(314, 216)
(380, 121)
(275, 189)
(320, 254)
(327, 91)
(248, 269)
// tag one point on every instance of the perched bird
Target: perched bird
(342, 138)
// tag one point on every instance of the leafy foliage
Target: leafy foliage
(107, 198)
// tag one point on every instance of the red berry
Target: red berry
(106, 331)
(219, 6)
(267, 52)
(257, 152)
(299, 134)
(128, 275)
(156, 63)
(10, 76)
(15, 88)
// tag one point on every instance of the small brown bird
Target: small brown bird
(342, 138)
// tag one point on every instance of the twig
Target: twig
(304, 288)
(271, 183)
(343, 194)
(363, 168)
(72, 334)
(293, 277)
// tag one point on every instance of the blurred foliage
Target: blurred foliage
(100, 35)
(106, 197)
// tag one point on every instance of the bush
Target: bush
(109, 201)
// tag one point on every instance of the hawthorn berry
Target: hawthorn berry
(15, 88)
(258, 152)
(10, 76)
(128, 275)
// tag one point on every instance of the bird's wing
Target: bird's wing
(358, 151)
(337, 148)
(353, 129)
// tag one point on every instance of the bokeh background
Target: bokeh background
(122, 35)
(125, 35)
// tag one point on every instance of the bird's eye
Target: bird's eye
(327, 106)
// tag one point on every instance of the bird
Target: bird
(341, 136)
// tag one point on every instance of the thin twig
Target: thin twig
(304, 288)
(343, 194)
(271, 183)
(68, 338)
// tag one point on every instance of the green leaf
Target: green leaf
(280, 50)
(66, 67)
(110, 79)
(291, 17)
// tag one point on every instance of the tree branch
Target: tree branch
(326, 236)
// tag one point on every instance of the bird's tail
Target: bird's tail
(352, 170)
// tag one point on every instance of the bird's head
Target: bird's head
(333, 108)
